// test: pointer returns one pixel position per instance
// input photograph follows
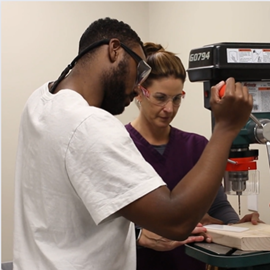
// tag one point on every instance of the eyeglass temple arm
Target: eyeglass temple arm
(73, 62)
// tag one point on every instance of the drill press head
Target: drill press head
(248, 63)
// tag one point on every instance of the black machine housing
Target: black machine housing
(210, 65)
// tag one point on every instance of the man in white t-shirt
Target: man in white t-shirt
(80, 180)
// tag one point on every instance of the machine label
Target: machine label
(200, 56)
(260, 92)
(248, 55)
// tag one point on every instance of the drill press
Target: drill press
(248, 63)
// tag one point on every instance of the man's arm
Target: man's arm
(174, 214)
(154, 241)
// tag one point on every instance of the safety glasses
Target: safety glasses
(143, 69)
(161, 99)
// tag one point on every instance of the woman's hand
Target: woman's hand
(253, 218)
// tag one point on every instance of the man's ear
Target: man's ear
(114, 49)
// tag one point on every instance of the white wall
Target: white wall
(40, 38)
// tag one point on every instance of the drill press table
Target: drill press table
(229, 258)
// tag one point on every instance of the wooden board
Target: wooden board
(256, 238)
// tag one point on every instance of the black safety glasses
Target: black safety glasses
(143, 69)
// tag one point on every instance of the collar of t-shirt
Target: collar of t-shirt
(160, 148)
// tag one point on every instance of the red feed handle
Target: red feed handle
(222, 91)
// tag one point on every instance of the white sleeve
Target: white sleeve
(105, 167)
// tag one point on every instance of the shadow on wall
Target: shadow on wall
(7, 266)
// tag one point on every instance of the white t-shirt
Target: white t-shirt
(76, 167)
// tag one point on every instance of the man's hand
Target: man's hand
(159, 243)
(253, 218)
(231, 111)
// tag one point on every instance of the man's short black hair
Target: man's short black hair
(108, 28)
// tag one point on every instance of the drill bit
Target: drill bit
(239, 204)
